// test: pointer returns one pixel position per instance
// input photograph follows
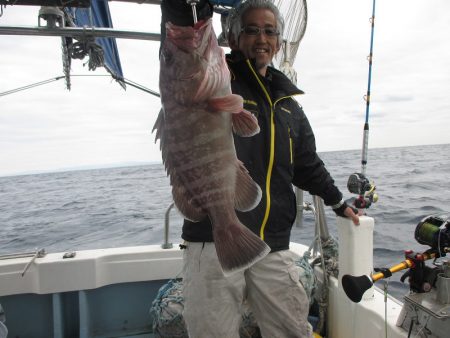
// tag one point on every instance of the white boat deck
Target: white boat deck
(108, 292)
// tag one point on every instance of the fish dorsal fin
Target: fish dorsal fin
(247, 193)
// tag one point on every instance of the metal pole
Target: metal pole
(79, 32)
(166, 244)
(320, 210)
(300, 207)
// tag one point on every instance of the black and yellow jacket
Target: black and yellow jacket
(282, 154)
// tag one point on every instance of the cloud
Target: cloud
(97, 122)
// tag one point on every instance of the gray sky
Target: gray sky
(98, 124)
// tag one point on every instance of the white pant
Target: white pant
(213, 302)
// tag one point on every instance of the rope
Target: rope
(328, 258)
(330, 264)
(307, 276)
(330, 249)
(88, 46)
(166, 311)
(167, 307)
(66, 61)
(249, 328)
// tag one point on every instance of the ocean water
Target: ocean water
(103, 208)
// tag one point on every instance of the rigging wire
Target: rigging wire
(53, 79)
(135, 85)
(12, 91)
(367, 97)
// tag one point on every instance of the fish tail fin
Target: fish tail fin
(247, 193)
(238, 247)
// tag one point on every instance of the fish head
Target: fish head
(189, 60)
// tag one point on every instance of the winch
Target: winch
(426, 308)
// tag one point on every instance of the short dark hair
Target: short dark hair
(234, 22)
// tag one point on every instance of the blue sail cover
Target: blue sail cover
(101, 17)
(228, 3)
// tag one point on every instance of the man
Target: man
(282, 154)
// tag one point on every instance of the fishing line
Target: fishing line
(367, 97)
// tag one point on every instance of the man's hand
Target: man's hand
(350, 213)
(345, 210)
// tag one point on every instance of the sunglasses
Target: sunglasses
(255, 30)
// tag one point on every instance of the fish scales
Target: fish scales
(195, 128)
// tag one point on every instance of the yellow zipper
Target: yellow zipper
(272, 148)
(272, 153)
(290, 145)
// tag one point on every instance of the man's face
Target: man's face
(263, 45)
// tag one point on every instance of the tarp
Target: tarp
(228, 3)
(101, 17)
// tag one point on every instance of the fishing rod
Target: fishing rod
(365, 147)
(358, 182)
(433, 231)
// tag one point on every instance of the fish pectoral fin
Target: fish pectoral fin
(237, 246)
(247, 192)
(185, 204)
(245, 124)
(231, 103)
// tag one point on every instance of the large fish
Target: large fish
(195, 125)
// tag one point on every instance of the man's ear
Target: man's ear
(278, 45)
(232, 43)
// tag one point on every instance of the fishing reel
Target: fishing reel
(434, 231)
(359, 184)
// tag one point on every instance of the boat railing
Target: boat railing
(318, 211)
(167, 244)
(38, 254)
